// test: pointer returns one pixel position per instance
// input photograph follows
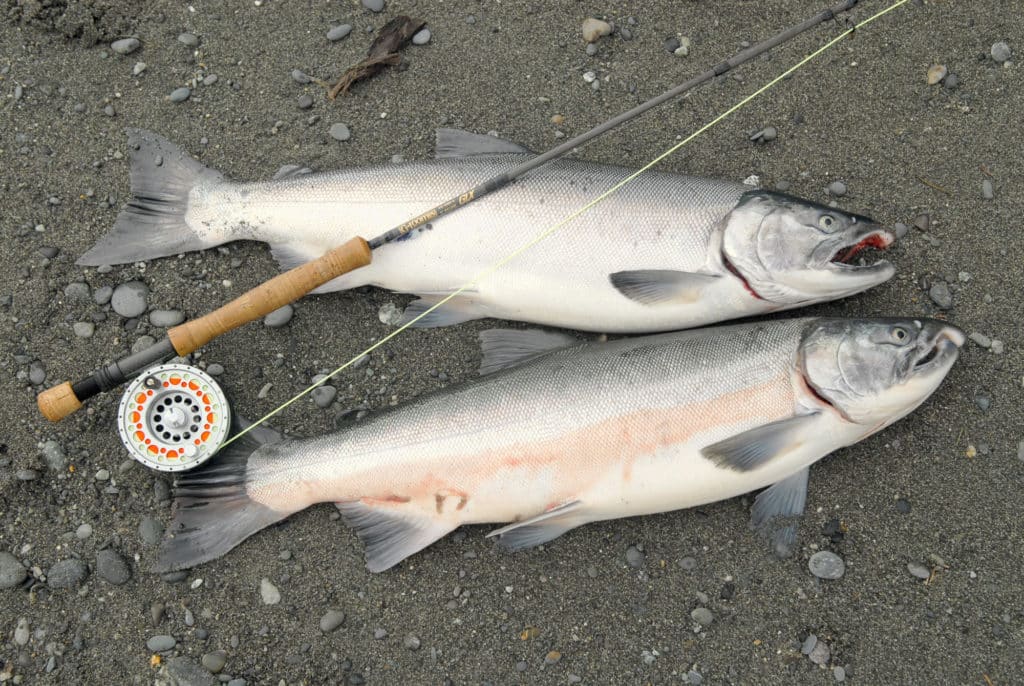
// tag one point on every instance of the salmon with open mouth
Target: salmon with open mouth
(558, 433)
(666, 251)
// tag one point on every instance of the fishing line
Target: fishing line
(487, 271)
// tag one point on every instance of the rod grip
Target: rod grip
(58, 402)
(269, 296)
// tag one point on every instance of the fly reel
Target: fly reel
(173, 417)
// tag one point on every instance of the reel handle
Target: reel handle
(60, 401)
(270, 295)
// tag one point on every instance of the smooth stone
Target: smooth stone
(215, 369)
(67, 573)
(702, 616)
(808, 644)
(279, 317)
(84, 329)
(300, 77)
(634, 558)
(269, 592)
(593, 29)
(987, 191)
(411, 642)
(374, 5)
(305, 101)
(421, 37)
(83, 531)
(21, 632)
(166, 318)
(323, 396)
(180, 94)
(340, 132)
(826, 565)
(821, 653)
(837, 188)
(339, 32)
(181, 671)
(210, 79)
(125, 46)
(150, 531)
(111, 567)
(129, 299)
(940, 295)
(139, 68)
(331, 620)
(215, 661)
(54, 455)
(102, 295)
(36, 373)
(12, 572)
(188, 39)
(77, 291)
(161, 642)
(839, 674)
(1001, 52)
(919, 570)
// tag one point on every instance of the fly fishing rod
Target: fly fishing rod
(175, 407)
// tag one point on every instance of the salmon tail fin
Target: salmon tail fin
(153, 224)
(212, 509)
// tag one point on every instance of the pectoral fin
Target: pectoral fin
(389, 534)
(758, 446)
(289, 171)
(542, 528)
(504, 348)
(776, 507)
(661, 286)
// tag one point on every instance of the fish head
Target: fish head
(875, 371)
(794, 252)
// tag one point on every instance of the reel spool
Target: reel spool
(173, 417)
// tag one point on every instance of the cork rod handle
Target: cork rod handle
(271, 295)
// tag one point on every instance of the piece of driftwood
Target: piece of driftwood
(383, 52)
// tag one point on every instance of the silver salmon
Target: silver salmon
(558, 433)
(667, 251)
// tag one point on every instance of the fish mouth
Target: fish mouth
(843, 256)
(942, 348)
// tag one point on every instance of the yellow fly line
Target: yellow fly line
(487, 271)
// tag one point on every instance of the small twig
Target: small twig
(985, 171)
(987, 680)
(934, 185)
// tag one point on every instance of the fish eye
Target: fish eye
(899, 334)
(826, 222)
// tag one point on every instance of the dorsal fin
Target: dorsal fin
(289, 171)
(459, 143)
(504, 348)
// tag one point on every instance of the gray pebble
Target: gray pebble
(821, 653)
(694, 678)
(765, 135)
(591, 49)
(702, 616)
(109, 111)
(421, 37)
(237, 682)
(102, 295)
(166, 318)
(305, 101)
(26, 475)
(129, 299)
(54, 456)
(156, 613)
(21, 632)
(12, 572)
(300, 77)
(180, 94)
(84, 329)
(215, 369)
(900, 229)
(671, 44)
(986, 190)
(983, 402)
(150, 531)
(36, 373)
(826, 565)
(374, 5)
(380, 634)
(837, 188)
(940, 295)
(331, 620)
(340, 132)
(323, 396)
(808, 644)
(102, 474)
(269, 592)
(127, 46)
(111, 567)
(160, 643)
(1001, 52)
(279, 317)
(210, 79)
(411, 642)
(997, 346)
(903, 506)
(83, 531)
(77, 292)
(688, 563)
(919, 570)
(215, 661)
(339, 32)
(181, 671)
(48, 251)
(188, 39)
(67, 573)
(634, 558)
(137, 69)
(839, 674)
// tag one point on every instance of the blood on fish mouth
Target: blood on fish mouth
(880, 240)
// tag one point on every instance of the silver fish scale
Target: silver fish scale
(370, 200)
(565, 391)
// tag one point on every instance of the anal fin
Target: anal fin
(503, 348)
(544, 527)
(389, 534)
(291, 255)
(457, 310)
